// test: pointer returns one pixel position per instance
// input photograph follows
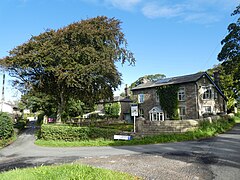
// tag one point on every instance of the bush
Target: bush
(6, 126)
(20, 124)
(69, 133)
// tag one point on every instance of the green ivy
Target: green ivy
(168, 100)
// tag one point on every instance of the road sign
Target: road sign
(134, 110)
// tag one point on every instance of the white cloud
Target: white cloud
(123, 4)
(153, 10)
(196, 11)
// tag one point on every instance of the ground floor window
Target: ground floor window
(141, 112)
(182, 111)
(207, 109)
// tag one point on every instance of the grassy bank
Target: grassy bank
(65, 172)
(206, 130)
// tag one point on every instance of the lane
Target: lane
(219, 156)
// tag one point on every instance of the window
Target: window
(181, 94)
(156, 114)
(207, 92)
(182, 111)
(140, 98)
(207, 109)
(141, 112)
(157, 97)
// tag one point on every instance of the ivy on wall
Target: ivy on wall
(169, 100)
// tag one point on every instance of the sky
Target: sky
(170, 37)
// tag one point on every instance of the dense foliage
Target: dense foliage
(69, 133)
(152, 77)
(76, 61)
(6, 126)
(169, 100)
(112, 109)
(230, 53)
(226, 83)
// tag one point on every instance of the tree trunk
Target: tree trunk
(60, 109)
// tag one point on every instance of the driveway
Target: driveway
(214, 158)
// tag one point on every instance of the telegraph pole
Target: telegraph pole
(3, 87)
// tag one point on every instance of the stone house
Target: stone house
(124, 104)
(198, 96)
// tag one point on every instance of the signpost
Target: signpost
(134, 113)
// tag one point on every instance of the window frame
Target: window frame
(141, 98)
(181, 94)
(207, 93)
(179, 110)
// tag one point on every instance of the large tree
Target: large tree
(76, 61)
(230, 53)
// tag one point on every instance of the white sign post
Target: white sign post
(134, 113)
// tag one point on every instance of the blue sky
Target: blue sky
(174, 37)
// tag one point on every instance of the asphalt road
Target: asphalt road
(214, 158)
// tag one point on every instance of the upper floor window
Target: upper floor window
(140, 98)
(207, 92)
(181, 94)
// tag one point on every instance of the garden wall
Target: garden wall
(170, 126)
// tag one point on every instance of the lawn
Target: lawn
(65, 172)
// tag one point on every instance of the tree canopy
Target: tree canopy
(226, 84)
(152, 77)
(76, 61)
(230, 53)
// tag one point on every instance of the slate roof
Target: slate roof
(178, 80)
(173, 80)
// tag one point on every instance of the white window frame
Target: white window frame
(205, 109)
(207, 93)
(181, 94)
(180, 111)
(141, 112)
(155, 114)
(141, 98)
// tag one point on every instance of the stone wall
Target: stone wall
(170, 126)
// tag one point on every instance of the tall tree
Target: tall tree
(230, 53)
(226, 83)
(76, 61)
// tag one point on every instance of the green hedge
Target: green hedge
(69, 133)
(6, 126)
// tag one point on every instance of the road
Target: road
(214, 158)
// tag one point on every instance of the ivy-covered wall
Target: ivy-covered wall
(168, 99)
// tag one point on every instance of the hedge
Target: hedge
(6, 126)
(69, 133)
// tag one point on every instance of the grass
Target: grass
(206, 130)
(65, 172)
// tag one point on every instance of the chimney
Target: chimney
(126, 90)
(216, 77)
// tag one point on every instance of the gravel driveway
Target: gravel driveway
(214, 158)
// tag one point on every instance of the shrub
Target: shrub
(6, 126)
(20, 124)
(69, 133)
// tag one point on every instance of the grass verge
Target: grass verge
(65, 172)
(206, 130)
